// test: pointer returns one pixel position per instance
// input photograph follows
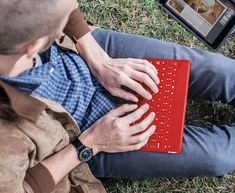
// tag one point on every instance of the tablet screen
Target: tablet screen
(208, 17)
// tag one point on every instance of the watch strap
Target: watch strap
(79, 147)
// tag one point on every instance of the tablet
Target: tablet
(212, 21)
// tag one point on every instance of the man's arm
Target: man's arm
(61, 163)
(76, 26)
(15, 175)
(109, 134)
(43, 177)
(111, 73)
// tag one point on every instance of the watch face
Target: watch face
(86, 154)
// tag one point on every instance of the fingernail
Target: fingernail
(152, 115)
(158, 81)
(154, 127)
(135, 99)
(153, 130)
(134, 106)
(146, 62)
(149, 97)
(155, 89)
(146, 107)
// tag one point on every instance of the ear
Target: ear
(33, 48)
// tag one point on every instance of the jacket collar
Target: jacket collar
(24, 105)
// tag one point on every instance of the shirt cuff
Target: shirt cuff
(76, 26)
(40, 179)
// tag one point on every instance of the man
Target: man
(63, 76)
(35, 154)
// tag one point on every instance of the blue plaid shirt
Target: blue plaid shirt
(65, 78)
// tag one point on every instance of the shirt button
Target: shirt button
(52, 70)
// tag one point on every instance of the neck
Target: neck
(13, 65)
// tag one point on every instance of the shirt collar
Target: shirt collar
(24, 105)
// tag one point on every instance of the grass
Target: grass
(144, 17)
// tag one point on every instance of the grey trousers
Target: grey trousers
(206, 151)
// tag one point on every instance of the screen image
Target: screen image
(203, 15)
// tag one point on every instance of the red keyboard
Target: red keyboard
(169, 104)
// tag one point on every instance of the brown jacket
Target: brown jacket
(43, 128)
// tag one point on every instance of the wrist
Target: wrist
(87, 140)
(91, 52)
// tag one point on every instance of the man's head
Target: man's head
(27, 26)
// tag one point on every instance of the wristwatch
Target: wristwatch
(85, 154)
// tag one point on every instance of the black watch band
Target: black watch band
(85, 154)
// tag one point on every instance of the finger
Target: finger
(145, 62)
(143, 125)
(143, 136)
(149, 69)
(136, 146)
(123, 109)
(138, 88)
(143, 77)
(125, 95)
(146, 69)
(136, 115)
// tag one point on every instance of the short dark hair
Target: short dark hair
(24, 20)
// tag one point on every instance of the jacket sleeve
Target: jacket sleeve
(76, 26)
(39, 179)
(15, 177)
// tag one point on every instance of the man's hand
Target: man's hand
(115, 73)
(116, 133)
